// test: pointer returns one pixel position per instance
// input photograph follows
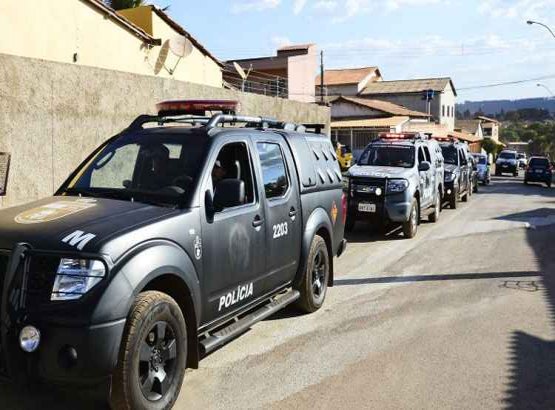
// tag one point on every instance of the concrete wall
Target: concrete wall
(56, 30)
(52, 115)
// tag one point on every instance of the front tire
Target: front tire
(153, 355)
(314, 284)
(410, 227)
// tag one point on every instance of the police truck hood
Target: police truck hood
(369, 171)
(451, 168)
(66, 223)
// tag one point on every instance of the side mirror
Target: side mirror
(424, 166)
(126, 183)
(229, 193)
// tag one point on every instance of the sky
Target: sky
(475, 42)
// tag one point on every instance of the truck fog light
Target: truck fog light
(448, 192)
(378, 191)
(29, 339)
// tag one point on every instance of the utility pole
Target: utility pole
(530, 22)
(322, 77)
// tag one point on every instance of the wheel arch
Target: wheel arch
(318, 223)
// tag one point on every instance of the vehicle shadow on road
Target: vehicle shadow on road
(47, 398)
(531, 379)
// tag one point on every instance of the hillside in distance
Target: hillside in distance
(494, 107)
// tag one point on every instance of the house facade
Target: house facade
(412, 94)
(89, 33)
(288, 74)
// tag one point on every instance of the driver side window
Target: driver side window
(234, 162)
(462, 158)
(115, 167)
(421, 155)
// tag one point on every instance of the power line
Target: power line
(477, 87)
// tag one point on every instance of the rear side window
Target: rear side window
(427, 154)
(539, 162)
(274, 172)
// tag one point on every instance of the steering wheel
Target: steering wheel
(182, 181)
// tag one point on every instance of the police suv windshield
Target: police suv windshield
(481, 160)
(507, 155)
(449, 154)
(161, 168)
(388, 156)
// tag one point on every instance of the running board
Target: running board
(222, 336)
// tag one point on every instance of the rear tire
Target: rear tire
(476, 187)
(410, 227)
(453, 202)
(314, 284)
(153, 355)
(434, 216)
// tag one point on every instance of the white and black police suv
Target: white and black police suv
(397, 179)
(170, 239)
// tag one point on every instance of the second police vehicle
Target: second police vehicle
(397, 179)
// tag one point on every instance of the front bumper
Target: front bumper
(506, 168)
(73, 350)
(66, 355)
(393, 207)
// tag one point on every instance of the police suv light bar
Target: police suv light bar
(400, 135)
(196, 107)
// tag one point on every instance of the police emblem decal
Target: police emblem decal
(334, 212)
(197, 244)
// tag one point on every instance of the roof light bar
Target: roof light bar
(399, 135)
(196, 107)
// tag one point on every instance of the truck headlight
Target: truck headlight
(395, 186)
(75, 277)
(450, 176)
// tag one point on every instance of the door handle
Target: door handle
(292, 212)
(258, 221)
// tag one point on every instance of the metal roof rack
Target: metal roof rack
(217, 120)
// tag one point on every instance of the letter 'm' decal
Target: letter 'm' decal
(79, 239)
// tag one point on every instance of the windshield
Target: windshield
(539, 162)
(449, 154)
(520, 156)
(161, 169)
(480, 160)
(388, 156)
(507, 155)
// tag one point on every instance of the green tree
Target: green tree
(125, 4)
(490, 146)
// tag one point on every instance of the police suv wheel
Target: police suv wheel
(411, 226)
(350, 224)
(434, 216)
(314, 283)
(153, 355)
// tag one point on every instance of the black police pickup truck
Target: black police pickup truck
(170, 239)
(459, 171)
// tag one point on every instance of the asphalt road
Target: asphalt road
(460, 317)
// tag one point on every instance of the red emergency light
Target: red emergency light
(398, 135)
(445, 138)
(196, 107)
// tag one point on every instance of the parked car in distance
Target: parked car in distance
(484, 170)
(521, 160)
(539, 169)
(172, 238)
(507, 163)
(458, 172)
(397, 179)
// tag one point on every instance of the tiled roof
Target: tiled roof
(464, 136)
(346, 76)
(407, 86)
(370, 123)
(383, 106)
(294, 47)
(468, 125)
(122, 21)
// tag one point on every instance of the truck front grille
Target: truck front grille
(40, 278)
(369, 188)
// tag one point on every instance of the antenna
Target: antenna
(181, 46)
(242, 73)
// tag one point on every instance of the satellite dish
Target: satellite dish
(181, 46)
(240, 70)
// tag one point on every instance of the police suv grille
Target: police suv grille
(367, 188)
(40, 280)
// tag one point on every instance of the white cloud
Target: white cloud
(298, 6)
(254, 5)
(325, 5)
(523, 9)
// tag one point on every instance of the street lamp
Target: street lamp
(547, 88)
(530, 22)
